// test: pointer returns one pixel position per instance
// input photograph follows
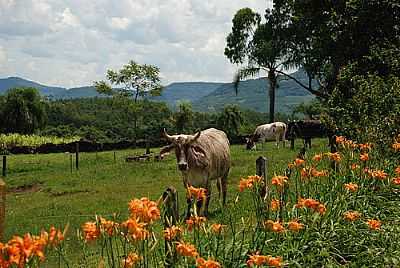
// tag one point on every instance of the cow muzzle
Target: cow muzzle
(183, 166)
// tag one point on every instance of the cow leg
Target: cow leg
(219, 188)
(224, 181)
(208, 197)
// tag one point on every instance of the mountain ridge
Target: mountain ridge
(204, 96)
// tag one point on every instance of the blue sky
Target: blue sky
(72, 43)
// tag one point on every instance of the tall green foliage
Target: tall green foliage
(230, 120)
(23, 111)
(183, 118)
(132, 81)
(260, 45)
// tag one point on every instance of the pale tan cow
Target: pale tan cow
(201, 158)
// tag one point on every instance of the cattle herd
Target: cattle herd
(205, 156)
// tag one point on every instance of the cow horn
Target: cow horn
(168, 137)
(193, 138)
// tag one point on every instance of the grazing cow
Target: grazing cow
(201, 158)
(276, 130)
(307, 129)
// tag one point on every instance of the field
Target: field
(43, 191)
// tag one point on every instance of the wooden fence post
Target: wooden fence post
(77, 155)
(171, 217)
(261, 170)
(2, 208)
(115, 158)
(4, 173)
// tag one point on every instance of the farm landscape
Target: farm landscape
(131, 172)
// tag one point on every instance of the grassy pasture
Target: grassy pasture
(42, 192)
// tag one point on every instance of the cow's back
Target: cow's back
(215, 144)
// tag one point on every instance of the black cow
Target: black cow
(306, 130)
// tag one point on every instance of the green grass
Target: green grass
(42, 191)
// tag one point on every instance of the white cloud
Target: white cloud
(119, 23)
(74, 42)
(3, 59)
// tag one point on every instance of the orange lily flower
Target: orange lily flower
(374, 224)
(351, 215)
(352, 187)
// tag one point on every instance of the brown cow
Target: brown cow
(201, 158)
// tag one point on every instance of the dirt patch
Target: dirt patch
(26, 188)
(63, 193)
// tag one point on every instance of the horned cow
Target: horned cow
(201, 158)
(274, 131)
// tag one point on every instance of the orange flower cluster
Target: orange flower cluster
(397, 170)
(396, 146)
(364, 147)
(351, 215)
(108, 226)
(197, 193)
(341, 140)
(90, 231)
(172, 232)
(295, 226)
(354, 166)
(334, 156)
(130, 260)
(279, 180)
(21, 250)
(136, 229)
(275, 204)
(309, 172)
(217, 228)
(274, 226)
(377, 174)
(259, 260)
(364, 157)
(202, 263)
(317, 157)
(396, 181)
(299, 162)
(186, 249)
(144, 209)
(195, 221)
(311, 203)
(249, 182)
(352, 187)
(374, 224)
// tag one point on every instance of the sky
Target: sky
(72, 43)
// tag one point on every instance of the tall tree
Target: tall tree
(137, 81)
(23, 111)
(260, 46)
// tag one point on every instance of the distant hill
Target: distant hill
(253, 94)
(187, 91)
(204, 96)
(11, 82)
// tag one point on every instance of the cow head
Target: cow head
(251, 142)
(186, 149)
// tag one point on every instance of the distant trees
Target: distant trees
(22, 111)
(183, 118)
(134, 80)
(230, 120)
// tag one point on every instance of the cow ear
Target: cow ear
(167, 149)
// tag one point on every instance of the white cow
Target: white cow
(274, 131)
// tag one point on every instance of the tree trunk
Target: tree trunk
(272, 87)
